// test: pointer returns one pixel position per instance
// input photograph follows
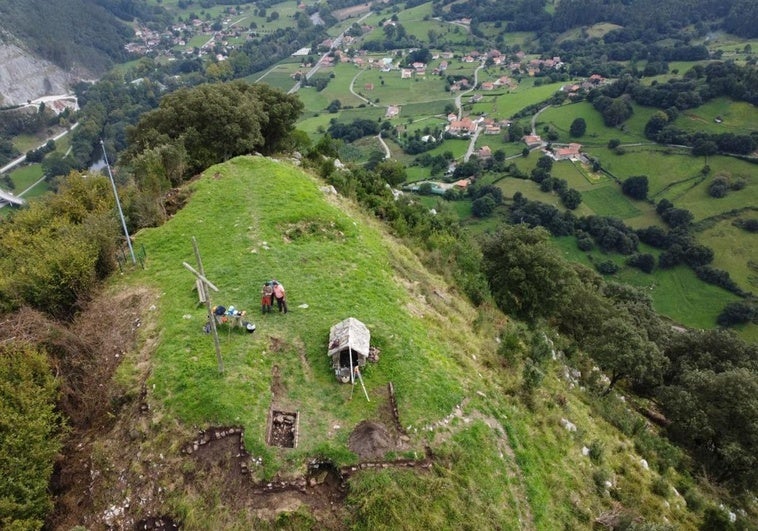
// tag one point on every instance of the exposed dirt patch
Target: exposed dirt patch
(307, 371)
(220, 452)
(277, 388)
(275, 345)
(370, 440)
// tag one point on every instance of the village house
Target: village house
(570, 152)
(484, 153)
(503, 81)
(462, 184)
(406, 73)
(491, 128)
(488, 85)
(532, 141)
(392, 111)
(462, 127)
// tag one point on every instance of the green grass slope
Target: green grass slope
(496, 462)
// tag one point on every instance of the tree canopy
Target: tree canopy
(526, 274)
(215, 122)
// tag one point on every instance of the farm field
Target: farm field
(609, 201)
(736, 250)
(737, 117)
(278, 76)
(598, 134)
(506, 105)
(677, 293)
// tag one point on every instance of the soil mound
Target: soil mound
(370, 440)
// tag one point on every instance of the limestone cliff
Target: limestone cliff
(24, 77)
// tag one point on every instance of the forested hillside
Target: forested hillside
(72, 33)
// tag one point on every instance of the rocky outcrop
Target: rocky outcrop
(24, 77)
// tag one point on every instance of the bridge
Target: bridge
(8, 198)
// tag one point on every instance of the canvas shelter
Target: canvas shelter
(348, 347)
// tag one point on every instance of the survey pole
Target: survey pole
(118, 203)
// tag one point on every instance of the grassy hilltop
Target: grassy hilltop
(498, 460)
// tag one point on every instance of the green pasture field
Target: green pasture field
(596, 31)
(25, 176)
(457, 146)
(314, 101)
(25, 143)
(496, 142)
(360, 150)
(315, 125)
(663, 166)
(416, 173)
(609, 201)
(598, 134)
(413, 16)
(578, 176)
(697, 200)
(278, 76)
(339, 86)
(531, 190)
(429, 111)
(677, 293)
(735, 249)
(367, 113)
(526, 94)
(196, 41)
(680, 295)
(738, 117)
(397, 91)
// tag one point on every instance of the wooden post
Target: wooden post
(200, 274)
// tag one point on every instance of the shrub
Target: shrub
(644, 262)
(750, 225)
(597, 448)
(636, 187)
(738, 312)
(719, 187)
(578, 127)
(660, 487)
(607, 267)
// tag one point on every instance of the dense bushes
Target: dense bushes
(29, 435)
(55, 252)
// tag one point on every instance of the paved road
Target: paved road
(7, 197)
(387, 152)
(459, 96)
(12, 164)
(534, 119)
(352, 82)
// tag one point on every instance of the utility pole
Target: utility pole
(118, 203)
(211, 318)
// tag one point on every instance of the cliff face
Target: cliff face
(24, 77)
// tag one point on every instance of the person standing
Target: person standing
(280, 296)
(267, 294)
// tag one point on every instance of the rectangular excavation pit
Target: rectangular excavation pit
(282, 428)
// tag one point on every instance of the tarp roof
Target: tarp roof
(349, 333)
